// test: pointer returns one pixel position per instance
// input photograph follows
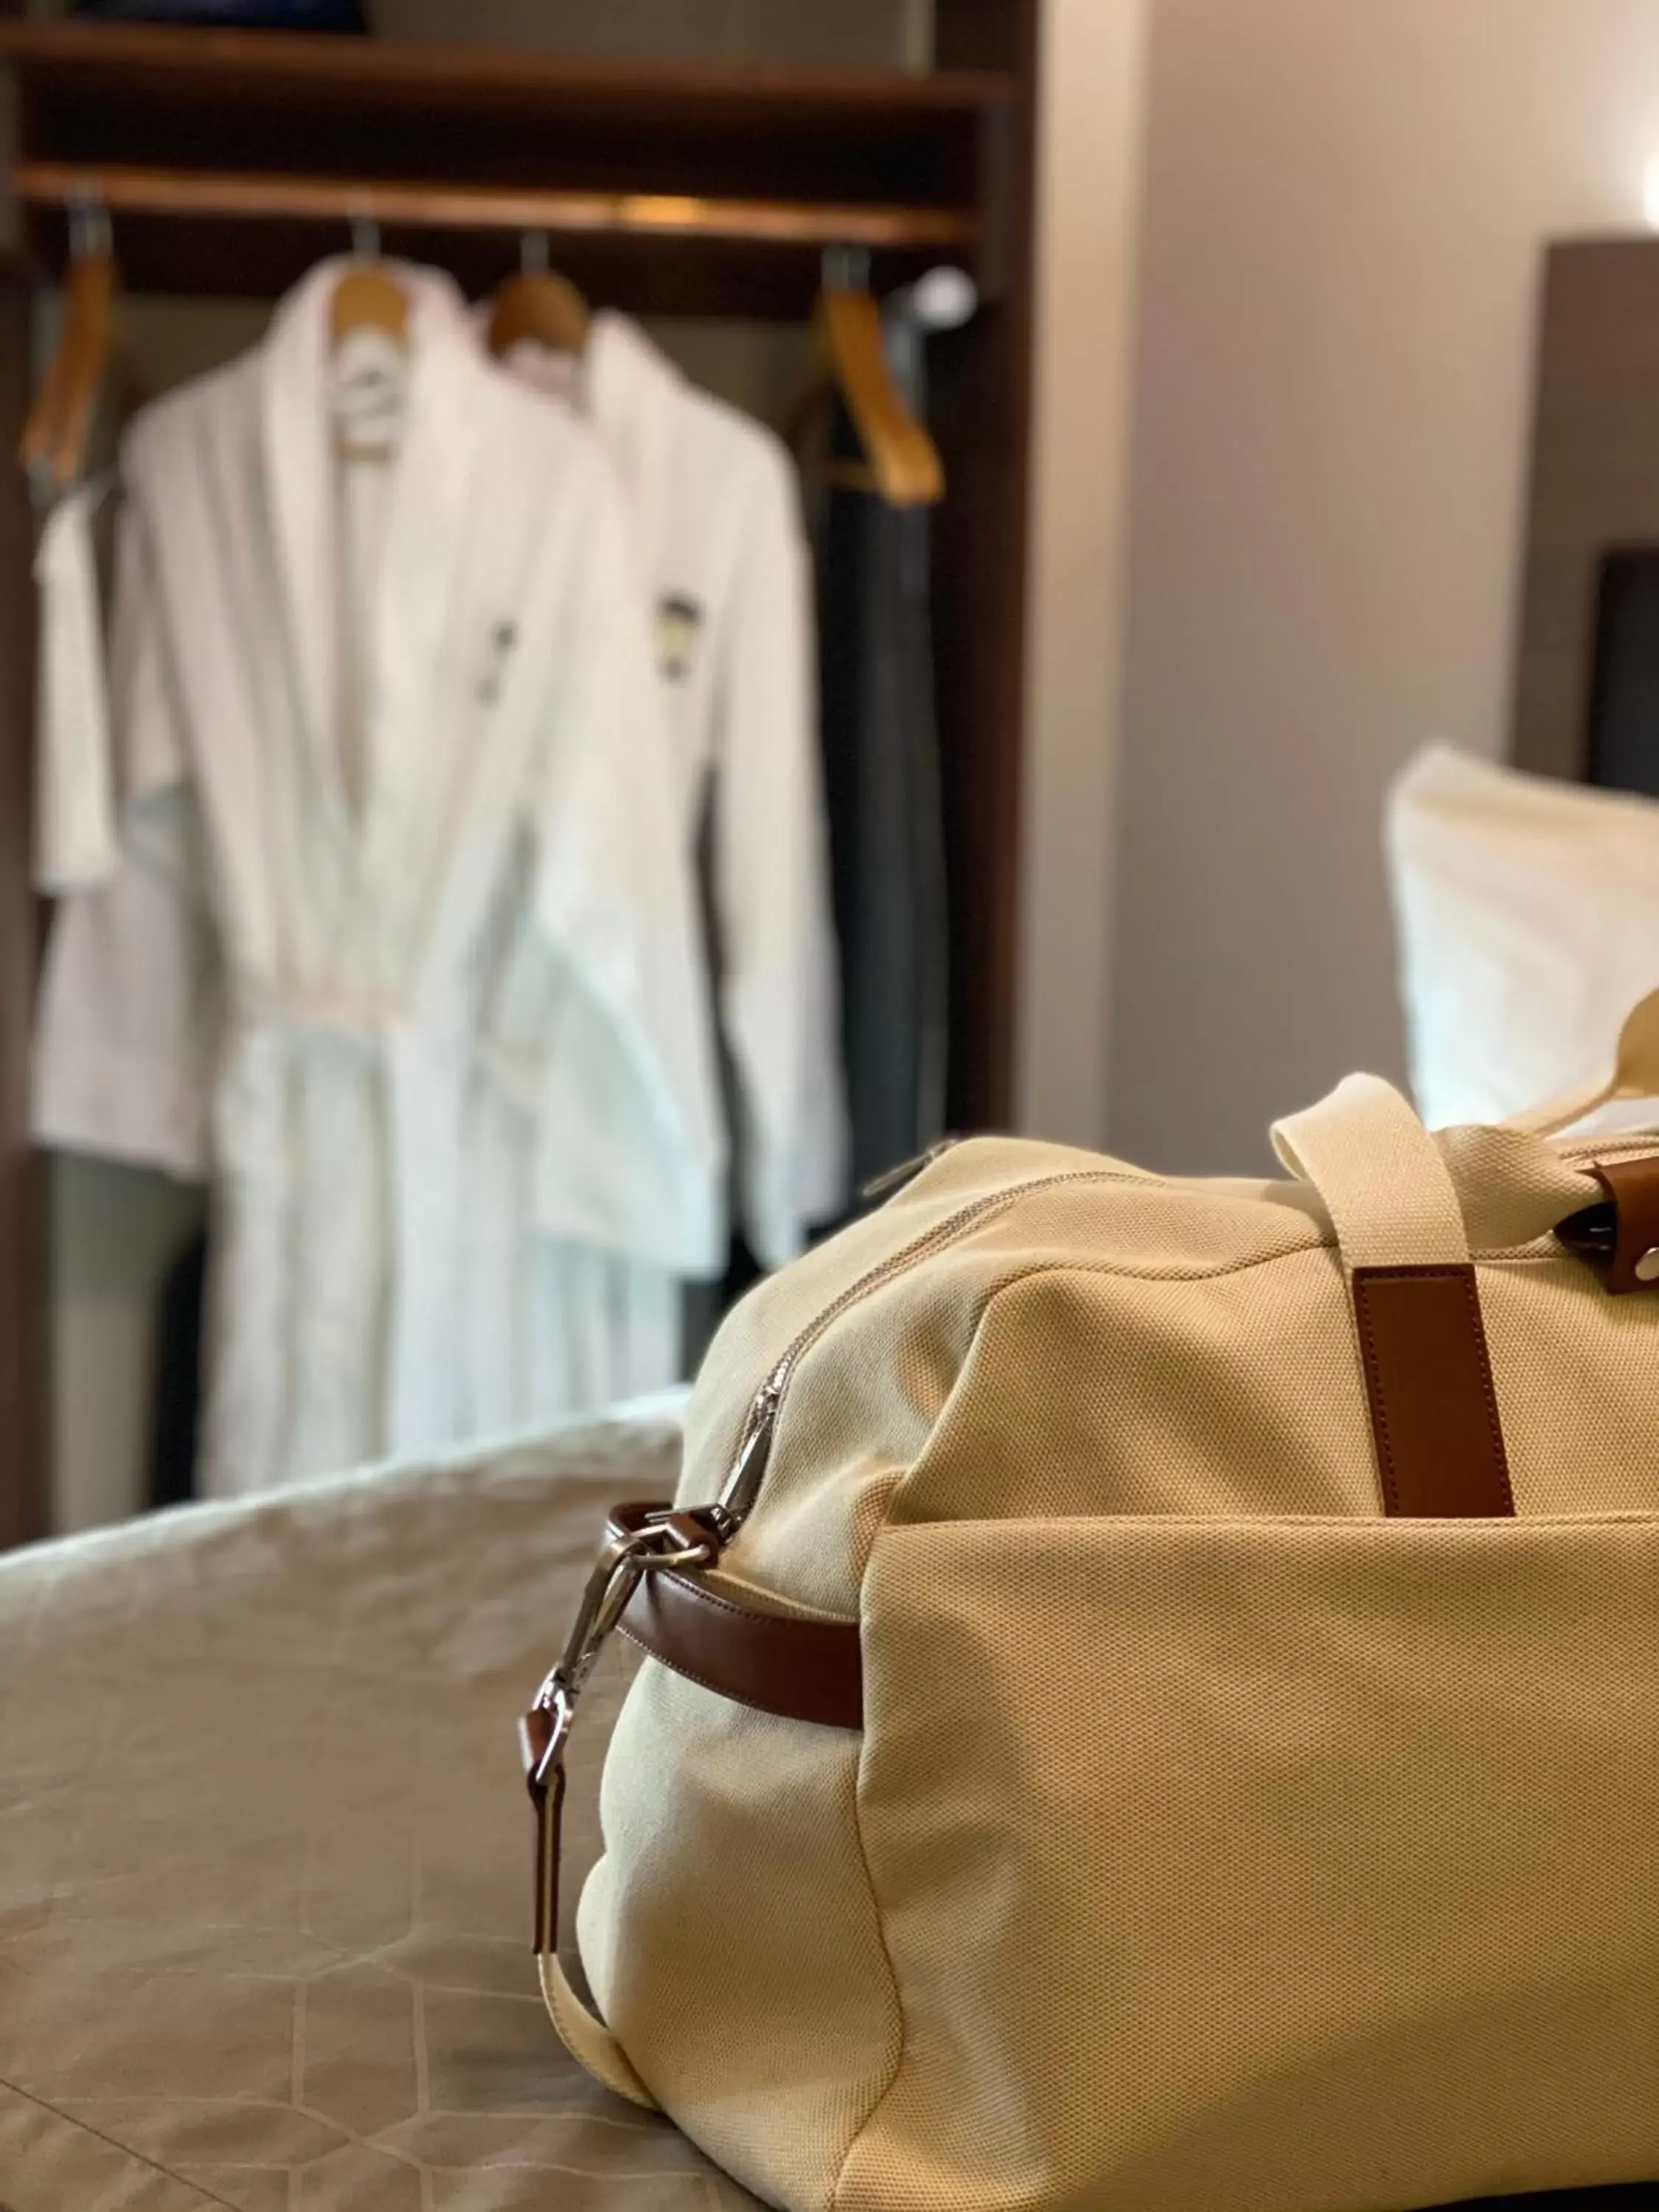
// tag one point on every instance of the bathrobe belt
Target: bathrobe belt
(424, 1070)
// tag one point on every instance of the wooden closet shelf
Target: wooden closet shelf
(228, 157)
(150, 63)
(267, 101)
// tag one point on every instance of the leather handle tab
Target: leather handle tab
(1405, 1250)
(778, 1663)
(1428, 1379)
(1633, 1187)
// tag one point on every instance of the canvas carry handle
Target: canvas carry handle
(1404, 1249)
(1380, 1174)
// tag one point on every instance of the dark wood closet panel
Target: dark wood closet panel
(981, 403)
(23, 1240)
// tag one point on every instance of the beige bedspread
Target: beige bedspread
(265, 1882)
(265, 1890)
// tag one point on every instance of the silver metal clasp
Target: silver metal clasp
(622, 1562)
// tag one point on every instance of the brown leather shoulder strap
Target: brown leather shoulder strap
(1428, 1377)
(546, 1781)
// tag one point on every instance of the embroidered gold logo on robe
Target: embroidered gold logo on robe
(680, 624)
(503, 636)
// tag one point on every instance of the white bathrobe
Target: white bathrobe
(75, 813)
(713, 500)
(389, 891)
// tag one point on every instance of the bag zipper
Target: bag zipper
(742, 1484)
(892, 1179)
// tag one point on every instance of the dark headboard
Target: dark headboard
(1586, 698)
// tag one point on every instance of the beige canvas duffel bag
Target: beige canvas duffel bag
(1154, 1693)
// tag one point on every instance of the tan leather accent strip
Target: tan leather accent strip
(1434, 1411)
(1633, 1187)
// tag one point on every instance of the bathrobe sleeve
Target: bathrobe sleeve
(780, 999)
(75, 810)
(126, 1036)
(630, 1150)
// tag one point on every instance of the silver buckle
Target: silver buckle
(621, 1565)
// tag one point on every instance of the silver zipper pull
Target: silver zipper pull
(892, 1179)
(742, 1485)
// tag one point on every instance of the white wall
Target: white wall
(1343, 210)
(1092, 99)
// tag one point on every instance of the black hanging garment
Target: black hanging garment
(175, 1397)
(886, 835)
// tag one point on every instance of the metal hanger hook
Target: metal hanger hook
(533, 252)
(88, 225)
(365, 237)
(846, 269)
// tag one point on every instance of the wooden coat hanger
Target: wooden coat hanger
(367, 299)
(539, 304)
(1635, 1076)
(849, 356)
(368, 296)
(58, 428)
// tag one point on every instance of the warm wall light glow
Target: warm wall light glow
(1650, 193)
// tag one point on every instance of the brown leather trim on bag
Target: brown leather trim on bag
(1434, 1411)
(1633, 1187)
(807, 1671)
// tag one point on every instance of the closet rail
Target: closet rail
(219, 194)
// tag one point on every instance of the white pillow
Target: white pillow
(1528, 912)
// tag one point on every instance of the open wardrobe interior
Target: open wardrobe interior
(513, 598)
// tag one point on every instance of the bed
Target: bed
(264, 1886)
(265, 1890)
